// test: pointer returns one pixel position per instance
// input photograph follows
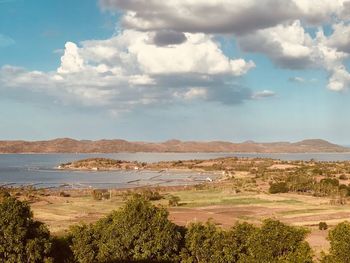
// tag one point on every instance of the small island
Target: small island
(101, 164)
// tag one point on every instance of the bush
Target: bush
(21, 238)
(174, 200)
(4, 194)
(343, 177)
(138, 231)
(150, 195)
(322, 226)
(280, 187)
(100, 194)
(64, 194)
(330, 181)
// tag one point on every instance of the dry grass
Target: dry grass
(220, 204)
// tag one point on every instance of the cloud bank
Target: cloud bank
(166, 52)
(130, 70)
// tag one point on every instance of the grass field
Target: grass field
(219, 204)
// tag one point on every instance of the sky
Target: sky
(153, 70)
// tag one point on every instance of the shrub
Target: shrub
(150, 195)
(322, 226)
(330, 181)
(21, 238)
(343, 177)
(100, 194)
(64, 194)
(280, 187)
(174, 200)
(4, 194)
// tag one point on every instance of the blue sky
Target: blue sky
(118, 77)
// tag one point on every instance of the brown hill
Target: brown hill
(67, 145)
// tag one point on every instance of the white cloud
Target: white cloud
(301, 80)
(290, 46)
(276, 28)
(297, 79)
(167, 52)
(287, 45)
(340, 37)
(339, 80)
(320, 11)
(129, 70)
(222, 16)
(263, 94)
(71, 61)
(192, 93)
(333, 61)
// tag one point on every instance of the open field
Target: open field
(223, 206)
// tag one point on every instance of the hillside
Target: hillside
(67, 145)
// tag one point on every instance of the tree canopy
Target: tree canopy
(22, 239)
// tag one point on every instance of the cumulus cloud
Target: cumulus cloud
(291, 46)
(71, 61)
(340, 37)
(287, 45)
(278, 29)
(129, 70)
(166, 52)
(333, 61)
(221, 16)
(209, 16)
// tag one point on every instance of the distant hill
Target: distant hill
(66, 145)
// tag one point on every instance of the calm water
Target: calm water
(38, 169)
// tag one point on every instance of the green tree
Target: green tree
(204, 243)
(21, 238)
(85, 243)
(339, 238)
(237, 241)
(138, 231)
(277, 242)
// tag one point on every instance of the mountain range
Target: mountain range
(67, 145)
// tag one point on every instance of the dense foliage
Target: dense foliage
(339, 238)
(277, 242)
(138, 231)
(279, 187)
(21, 238)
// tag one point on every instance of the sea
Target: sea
(39, 170)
